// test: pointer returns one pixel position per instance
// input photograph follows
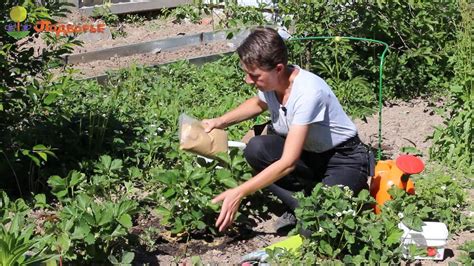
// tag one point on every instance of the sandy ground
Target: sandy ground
(404, 124)
(158, 28)
(149, 30)
(100, 67)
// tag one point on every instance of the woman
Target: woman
(313, 139)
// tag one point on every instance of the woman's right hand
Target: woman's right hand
(210, 124)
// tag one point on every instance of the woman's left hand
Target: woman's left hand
(230, 205)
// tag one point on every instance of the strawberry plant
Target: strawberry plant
(445, 195)
(343, 227)
(467, 255)
(91, 230)
(184, 200)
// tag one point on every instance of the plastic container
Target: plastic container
(231, 144)
(433, 237)
(394, 173)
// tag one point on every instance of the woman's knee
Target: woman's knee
(262, 150)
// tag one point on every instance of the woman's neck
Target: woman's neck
(286, 83)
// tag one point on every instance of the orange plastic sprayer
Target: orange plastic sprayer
(394, 173)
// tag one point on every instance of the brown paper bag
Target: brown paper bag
(193, 138)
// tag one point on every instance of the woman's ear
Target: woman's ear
(279, 67)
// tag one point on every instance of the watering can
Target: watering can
(397, 173)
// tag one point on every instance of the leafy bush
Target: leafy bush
(353, 91)
(343, 227)
(133, 119)
(467, 255)
(24, 105)
(418, 33)
(453, 142)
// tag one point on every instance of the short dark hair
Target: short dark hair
(263, 48)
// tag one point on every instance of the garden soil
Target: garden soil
(404, 124)
(99, 67)
(148, 31)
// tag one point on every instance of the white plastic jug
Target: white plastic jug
(433, 237)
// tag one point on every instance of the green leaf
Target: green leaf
(81, 230)
(200, 225)
(105, 215)
(350, 223)
(113, 260)
(205, 181)
(43, 156)
(128, 257)
(325, 247)
(75, 178)
(196, 175)
(125, 220)
(229, 182)
(163, 211)
(164, 178)
(63, 241)
(39, 147)
(394, 237)
(50, 98)
(89, 239)
(61, 194)
(178, 226)
(223, 174)
(40, 200)
(116, 165)
(83, 201)
(168, 193)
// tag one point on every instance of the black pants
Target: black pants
(345, 165)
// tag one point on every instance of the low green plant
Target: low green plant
(135, 19)
(65, 188)
(112, 20)
(19, 245)
(90, 230)
(183, 13)
(467, 255)
(344, 227)
(445, 195)
(185, 197)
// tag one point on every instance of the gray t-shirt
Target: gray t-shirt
(311, 102)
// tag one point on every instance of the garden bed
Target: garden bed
(93, 173)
